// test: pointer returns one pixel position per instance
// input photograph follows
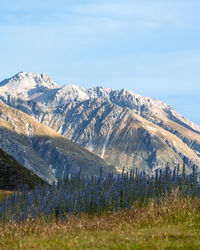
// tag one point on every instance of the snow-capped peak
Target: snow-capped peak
(100, 92)
(70, 93)
(27, 85)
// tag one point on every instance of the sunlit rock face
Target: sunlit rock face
(44, 151)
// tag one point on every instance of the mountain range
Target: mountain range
(119, 127)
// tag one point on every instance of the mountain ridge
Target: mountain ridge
(73, 92)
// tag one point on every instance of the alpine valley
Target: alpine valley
(55, 130)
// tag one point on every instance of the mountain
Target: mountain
(42, 150)
(14, 175)
(28, 85)
(122, 127)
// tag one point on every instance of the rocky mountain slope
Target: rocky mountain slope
(43, 150)
(122, 127)
(14, 175)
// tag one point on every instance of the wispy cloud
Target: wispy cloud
(112, 13)
(152, 13)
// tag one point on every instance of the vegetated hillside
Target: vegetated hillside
(43, 150)
(14, 175)
(122, 127)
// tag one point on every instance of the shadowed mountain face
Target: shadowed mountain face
(43, 150)
(120, 126)
(14, 175)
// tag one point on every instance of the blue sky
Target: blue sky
(150, 47)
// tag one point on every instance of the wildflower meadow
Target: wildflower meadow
(96, 195)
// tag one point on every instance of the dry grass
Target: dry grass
(3, 192)
(173, 224)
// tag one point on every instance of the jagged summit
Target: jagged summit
(69, 93)
(27, 85)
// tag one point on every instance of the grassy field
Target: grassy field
(173, 224)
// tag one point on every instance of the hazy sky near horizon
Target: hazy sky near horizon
(150, 47)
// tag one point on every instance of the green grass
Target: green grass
(174, 224)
